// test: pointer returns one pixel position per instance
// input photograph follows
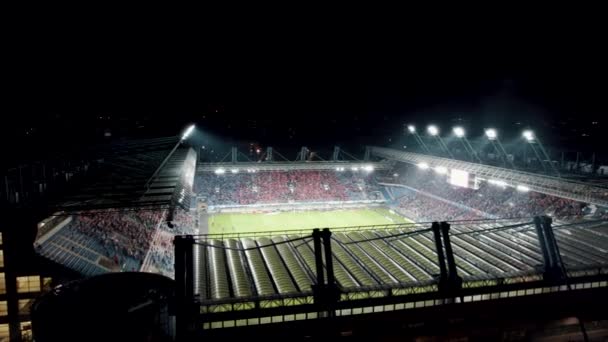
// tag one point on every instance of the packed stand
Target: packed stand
(160, 257)
(494, 200)
(423, 208)
(123, 236)
(282, 187)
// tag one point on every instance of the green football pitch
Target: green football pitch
(241, 223)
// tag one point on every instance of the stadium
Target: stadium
(295, 244)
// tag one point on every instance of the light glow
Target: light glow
(459, 132)
(529, 135)
(491, 133)
(433, 130)
(188, 132)
(498, 182)
(522, 188)
(442, 170)
(459, 178)
(411, 128)
(423, 165)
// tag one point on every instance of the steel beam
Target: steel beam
(287, 166)
(548, 185)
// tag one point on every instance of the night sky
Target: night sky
(285, 90)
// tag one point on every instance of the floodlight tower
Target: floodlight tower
(412, 130)
(459, 132)
(434, 132)
(492, 135)
(533, 140)
(185, 136)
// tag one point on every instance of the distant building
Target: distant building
(18, 290)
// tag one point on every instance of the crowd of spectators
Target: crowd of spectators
(497, 201)
(423, 208)
(133, 240)
(282, 187)
(124, 236)
(183, 223)
(161, 255)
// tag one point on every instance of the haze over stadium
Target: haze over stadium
(317, 201)
(251, 217)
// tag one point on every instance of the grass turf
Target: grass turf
(241, 223)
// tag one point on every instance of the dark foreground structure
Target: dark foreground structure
(355, 290)
(112, 307)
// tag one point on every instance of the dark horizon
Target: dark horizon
(293, 96)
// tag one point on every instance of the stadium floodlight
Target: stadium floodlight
(188, 132)
(395, 175)
(491, 133)
(354, 168)
(458, 131)
(498, 182)
(442, 170)
(368, 168)
(234, 170)
(433, 130)
(411, 128)
(522, 188)
(529, 135)
(423, 165)
(185, 136)
(220, 171)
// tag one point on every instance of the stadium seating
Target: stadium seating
(117, 240)
(493, 200)
(242, 267)
(283, 186)
(422, 208)
(66, 249)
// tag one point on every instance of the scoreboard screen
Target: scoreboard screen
(459, 178)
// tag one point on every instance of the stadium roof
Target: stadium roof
(127, 174)
(536, 182)
(296, 165)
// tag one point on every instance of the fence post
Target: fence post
(316, 236)
(331, 291)
(453, 278)
(184, 292)
(542, 242)
(557, 269)
(440, 256)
